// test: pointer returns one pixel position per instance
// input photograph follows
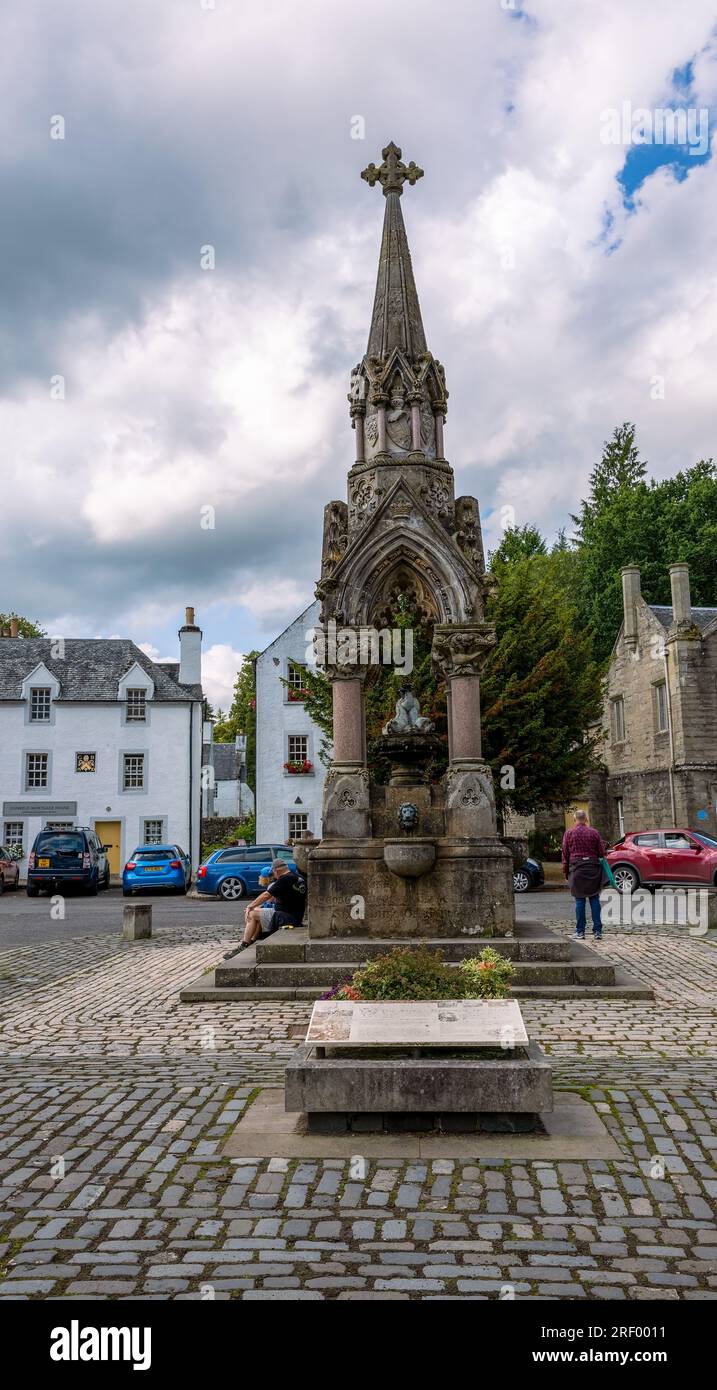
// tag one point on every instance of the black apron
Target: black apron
(585, 877)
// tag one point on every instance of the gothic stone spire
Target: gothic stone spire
(396, 320)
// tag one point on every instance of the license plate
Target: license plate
(43, 863)
(153, 869)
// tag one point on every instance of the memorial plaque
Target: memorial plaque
(418, 1023)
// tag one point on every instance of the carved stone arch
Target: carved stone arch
(404, 558)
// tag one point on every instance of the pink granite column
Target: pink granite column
(382, 429)
(360, 445)
(348, 722)
(465, 719)
(439, 436)
(415, 425)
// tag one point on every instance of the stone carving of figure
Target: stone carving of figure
(408, 718)
(398, 421)
(335, 535)
(468, 531)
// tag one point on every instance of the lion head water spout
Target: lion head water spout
(409, 856)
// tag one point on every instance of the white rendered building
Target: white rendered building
(93, 733)
(287, 802)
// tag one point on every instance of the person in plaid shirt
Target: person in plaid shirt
(583, 850)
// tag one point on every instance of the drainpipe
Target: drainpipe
(191, 783)
(671, 769)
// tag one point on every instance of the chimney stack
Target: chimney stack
(681, 601)
(13, 627)
(630, 598)
(190, 651)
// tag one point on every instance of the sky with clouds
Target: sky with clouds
(567, 282)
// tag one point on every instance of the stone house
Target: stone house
(94, 733)
(287, 803)
(660, 716)
(225, 790)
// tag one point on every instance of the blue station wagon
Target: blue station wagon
(150, 867)
(234, 872)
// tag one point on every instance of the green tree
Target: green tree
(241, 718)
(25, 627)
(630, 519)
(541, 686)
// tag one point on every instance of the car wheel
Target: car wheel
(626, 879)
(93, 888)
(127, 892)
(32, 890)
(232, 889)
(106, 882)
(2, 885)
(521, 881)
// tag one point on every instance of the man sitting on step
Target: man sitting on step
(281, 905)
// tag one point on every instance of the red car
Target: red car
(9, 870)
(681, 857)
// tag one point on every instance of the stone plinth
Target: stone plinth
(137, 921)
(374, 1093)
(468, 891)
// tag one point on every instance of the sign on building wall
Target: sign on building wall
(39, 808)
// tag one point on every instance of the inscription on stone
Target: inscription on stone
(433, 1023)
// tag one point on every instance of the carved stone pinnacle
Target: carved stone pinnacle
(393, 173)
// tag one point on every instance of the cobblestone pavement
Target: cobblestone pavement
(115, 1101)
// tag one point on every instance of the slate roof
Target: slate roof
(701, 616)
(91, 670)
(225, 762)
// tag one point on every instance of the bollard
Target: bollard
(136, 922)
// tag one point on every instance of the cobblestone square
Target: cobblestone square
(116, 1100)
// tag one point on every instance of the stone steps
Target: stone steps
(205, 991)
(526, 973)
(298, 947)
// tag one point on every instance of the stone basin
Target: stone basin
(409, 857)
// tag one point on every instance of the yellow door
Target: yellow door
(108, 832)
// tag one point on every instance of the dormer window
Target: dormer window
(40, 704)
(136, 705)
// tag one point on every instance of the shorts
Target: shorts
(267, 920)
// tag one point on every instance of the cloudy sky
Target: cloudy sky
(567, 280)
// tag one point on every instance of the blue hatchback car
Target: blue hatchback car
(156, 866)
(234, 873)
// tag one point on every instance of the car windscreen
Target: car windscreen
(56, 843)
(705, 839)
(147, 856)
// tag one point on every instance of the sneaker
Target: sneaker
(244, 947)
(597, 936)
(579, 936)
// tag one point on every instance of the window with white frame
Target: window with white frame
(136, 711)
(620, 809)
(298, 745)
(618, 719)
(133, 772)
(36, 770)
(153, 832)
(661, 713)
(40, 704)
(58, 825)
(14, 836)
(295, 681)
(298, 823)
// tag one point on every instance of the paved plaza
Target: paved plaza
(116, 1101)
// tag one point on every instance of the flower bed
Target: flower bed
(419, 973)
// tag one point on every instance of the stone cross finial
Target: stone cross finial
(393, 173)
